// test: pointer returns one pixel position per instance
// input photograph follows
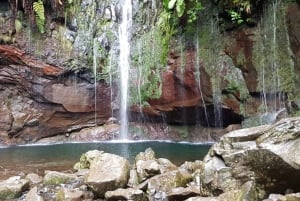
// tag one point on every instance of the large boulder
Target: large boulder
(107, 172)
(54, 178)
(167, 181)
(13, 187)
(266, 156)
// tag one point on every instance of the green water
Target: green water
(37, 158)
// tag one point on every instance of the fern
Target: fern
(39, 10)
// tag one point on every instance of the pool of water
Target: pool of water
(17, 160)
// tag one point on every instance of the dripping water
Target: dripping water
(95, 49)
(198, 76)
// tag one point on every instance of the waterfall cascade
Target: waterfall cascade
(124, 64)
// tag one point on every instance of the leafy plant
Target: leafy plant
(38, 7)
(235, 16)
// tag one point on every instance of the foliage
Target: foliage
(235, 16)
(240, 11)
(176, 14)
(148, 63)
(38, 7)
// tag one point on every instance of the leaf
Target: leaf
(39, 10)
(171, 4)
(180, 7)
(165, 3)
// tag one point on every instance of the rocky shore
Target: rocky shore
(254, 164)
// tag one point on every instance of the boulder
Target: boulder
(182, 193)
(86, 159)
(167, 181)
(287, 197)
(34, 178)
(55, 178)
(33, 195)
(107, 172)
(262, 160)
(149, 154)
(13, 187)
(146, 169)
(126, 194)
(73, 195)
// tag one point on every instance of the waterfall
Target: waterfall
(95, 53)
(198, 76)
(124, 63)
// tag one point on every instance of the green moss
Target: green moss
(9, 194)
(147, 64)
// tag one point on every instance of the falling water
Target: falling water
(111, 82)
(95, 53)
(124, 36)
(276, 81)
(198, 77)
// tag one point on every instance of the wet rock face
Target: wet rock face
(239, 48)
(40, 100)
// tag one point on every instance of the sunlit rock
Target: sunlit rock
(107, 172)
(146, 169)
(126, 194)
(266, 158)
(167, 181)
(54, 178)
(87, 158)
(182, 193)
(13, 187)
(33, 195)
(34, 178)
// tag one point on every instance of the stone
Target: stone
(133, 178)
(87, 158)
(166, 165)
(33, 195)
(146, 169)
(169, 180)
(55, 178)
(34, 178)
(258, 160)
(126, 194)
(149, 154)
(13, 187)
(203, 199)
(107, 172)
(73, 195)
(182, 193)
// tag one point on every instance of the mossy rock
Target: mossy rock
(56, 178)
(13, 187)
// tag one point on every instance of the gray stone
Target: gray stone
(255, 158)
(73, 195)
(126, 194)
(166, 165)
(149, 154)
(107, 172)
(34, 178)
(33, 195)
(146, 169)
(182, 193)
(203, 199)
(167, 181)
(13, 187)
(54, 178)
